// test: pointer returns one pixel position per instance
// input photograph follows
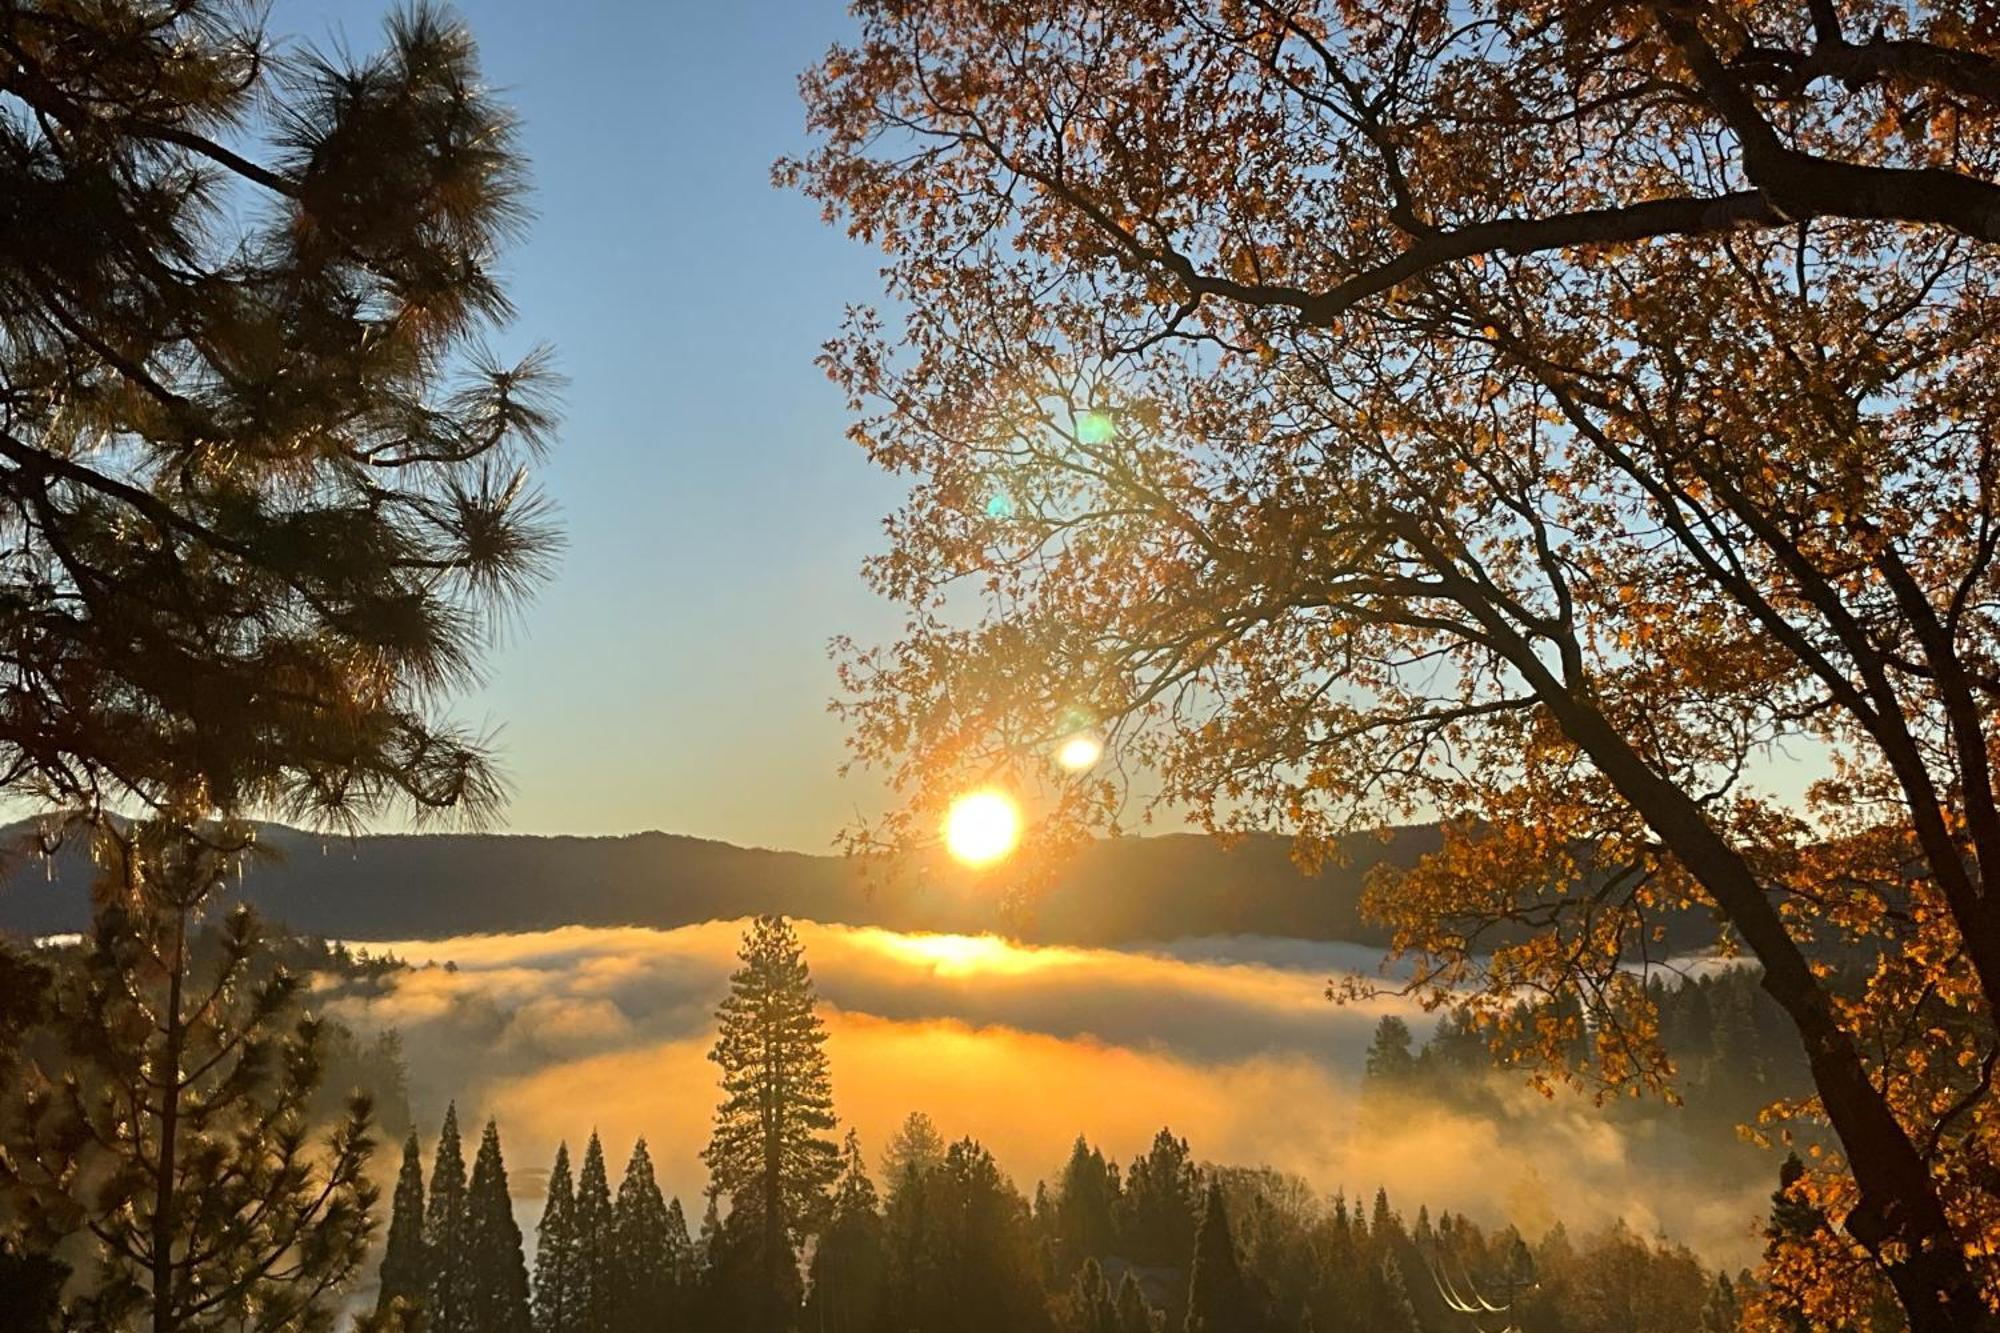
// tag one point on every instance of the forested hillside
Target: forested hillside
(1117, 891)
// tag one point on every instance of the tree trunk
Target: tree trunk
(165, 1199)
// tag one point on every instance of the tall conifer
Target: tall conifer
(447, 1303)
(644, 1263)
(593, 1242)
(498, 1295)
(850, 1261)
(769, 1152)
(405, 1265)
(1218, 1298)
(555, 1301)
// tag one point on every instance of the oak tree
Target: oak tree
(1538, 415)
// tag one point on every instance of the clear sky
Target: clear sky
(674, 675)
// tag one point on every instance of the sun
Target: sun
(982, 827)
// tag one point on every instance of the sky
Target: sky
(674, 673)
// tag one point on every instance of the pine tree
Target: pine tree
(199, 1200)
(1218, 1297)
(252, 588)
(1390, 1059)
(850, 1263)
(1161, 1203)
(644, 1262)
(498, 1275)
(448, 1291)
(684, 1261)
(769, 1152)
(405, 1263)
(594, 1242)
(556, 1304)
(1085, 1207)
(915, 1146)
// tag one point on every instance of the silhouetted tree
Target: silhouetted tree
(1390, 1050)
(558, 1299)
(850, 1267)
(595, 1243)
(302, 479)
(1162, 1201)
(1086, 1207)
(447, 1237)
(498, 1296)
(405, 1262)
(769, 1151)
(915, 1146)
(1218, 1298)
(646, 1263)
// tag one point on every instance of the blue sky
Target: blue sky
(674, 675)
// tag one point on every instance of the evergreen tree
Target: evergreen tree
(1085, 1207)
(1390, 1057)
(448, 1291)
(405, 1263)
(229, 270)
(685, 1261)
(199, 1201)
(915, 1146)
(1161, 1203)
(769, 1152)
(645, 1262)
(850, 1262)
(498, 1275)
(557, 1303)
(1218, 1297)
(595, 1258)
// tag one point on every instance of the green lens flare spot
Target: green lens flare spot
(1000, 505)
(1095, 427)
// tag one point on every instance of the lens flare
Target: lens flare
(1079, 752)
(1095, 427)
(982, 827)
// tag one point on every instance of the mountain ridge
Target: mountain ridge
(1116, 891)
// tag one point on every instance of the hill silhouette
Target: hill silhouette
(1116, 891)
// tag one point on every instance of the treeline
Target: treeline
(1164, 1244)
(1733, 1050)
(798, 1232)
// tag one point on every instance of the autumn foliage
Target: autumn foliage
(1575, 419)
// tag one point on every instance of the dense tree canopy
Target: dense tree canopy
(1538, 414)
(261, 488)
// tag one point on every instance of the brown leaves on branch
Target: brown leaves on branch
(1574, 420)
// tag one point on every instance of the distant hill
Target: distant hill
(1117, 891)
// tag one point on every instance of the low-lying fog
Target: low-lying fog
(1229, 1042)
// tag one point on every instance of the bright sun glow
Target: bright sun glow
(982, 827)
(1079, 752)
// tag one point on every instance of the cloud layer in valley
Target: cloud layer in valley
(1229, 1042)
